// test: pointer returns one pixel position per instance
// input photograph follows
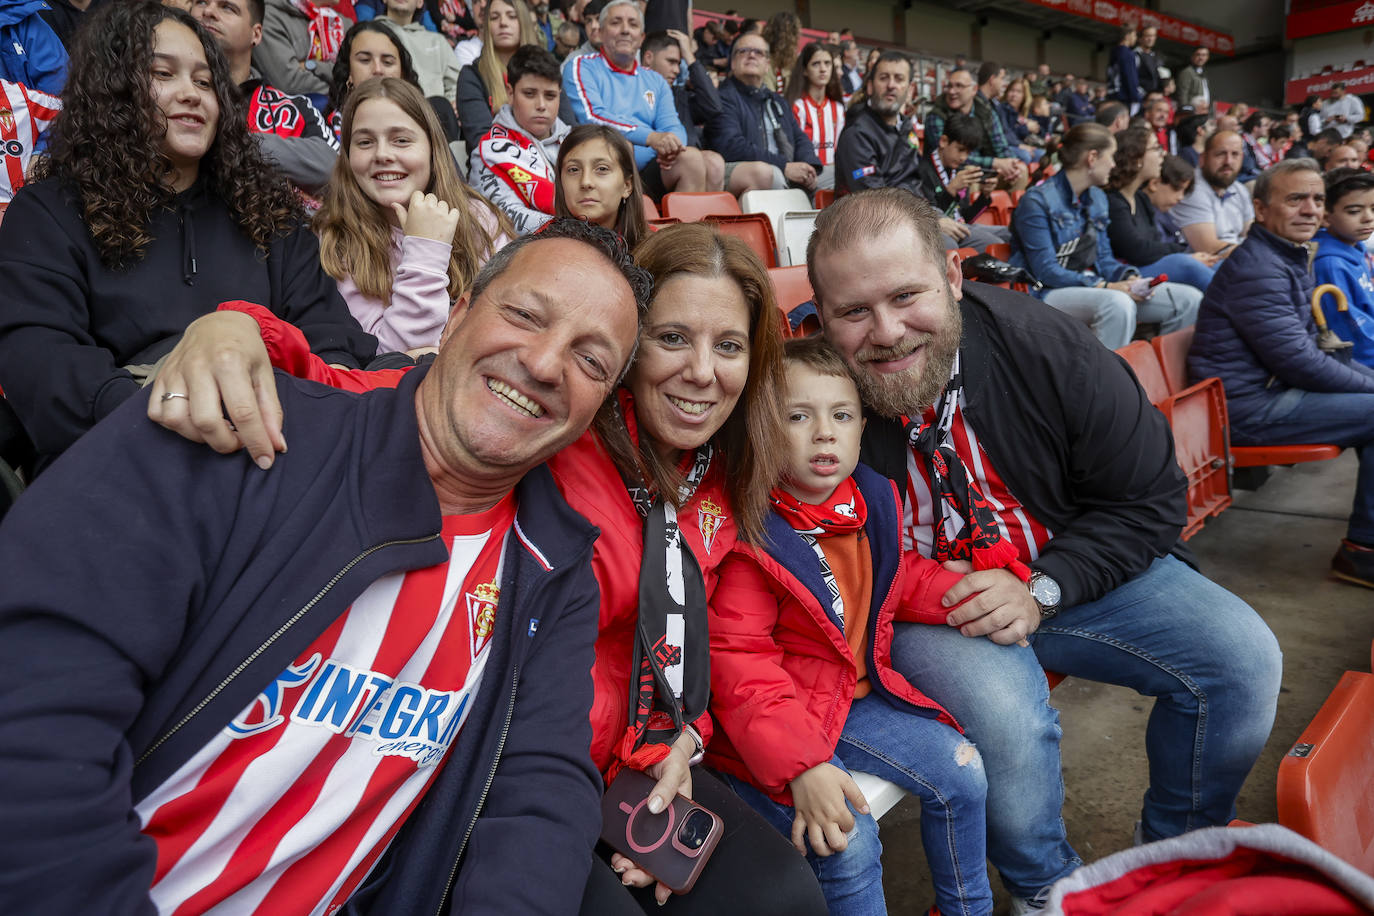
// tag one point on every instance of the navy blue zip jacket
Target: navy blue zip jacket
(153, 588)
(1256, 333)
(738, 134)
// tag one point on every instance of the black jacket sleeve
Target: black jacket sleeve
(1099, 471)
(474, 109)
(1133, 237)
(99, 582)
(57, 377)
(310, 300)
(701, 90)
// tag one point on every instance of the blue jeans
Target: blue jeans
(1181, 268)
(937, 765)
(1207, 658)
(1345, 419)
(1112, 314)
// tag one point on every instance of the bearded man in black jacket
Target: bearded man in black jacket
(1014, 434)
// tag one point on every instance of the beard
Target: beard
(1220, 182)
(912, 390)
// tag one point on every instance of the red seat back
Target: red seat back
(792, 287)
(755, 229)
(1324, 781)
(691, 206)
(824, 198)
(1143, 362)
(650, 211)
(1172, 349)
(999, 250)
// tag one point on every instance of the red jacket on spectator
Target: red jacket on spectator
(782, 675)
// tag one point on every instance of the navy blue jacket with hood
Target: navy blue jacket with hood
(153, 588)
(1256, 333)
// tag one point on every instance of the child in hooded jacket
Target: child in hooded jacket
(1343, 261)
(806, 675)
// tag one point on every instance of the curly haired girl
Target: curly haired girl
(153, 206)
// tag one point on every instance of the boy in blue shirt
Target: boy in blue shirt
(1342, 261)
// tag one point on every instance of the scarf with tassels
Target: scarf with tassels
(845, 512)
(965, 523)
(670, 668)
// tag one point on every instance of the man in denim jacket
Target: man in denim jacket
(1059, 234)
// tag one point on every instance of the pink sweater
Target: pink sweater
(419, 290)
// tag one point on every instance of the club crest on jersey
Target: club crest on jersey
(710, 516)
(6, 120)
(481, 604)
(649, 97)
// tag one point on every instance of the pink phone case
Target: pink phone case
(673, 845)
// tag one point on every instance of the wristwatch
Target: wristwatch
(701, 745)
(1045, 593)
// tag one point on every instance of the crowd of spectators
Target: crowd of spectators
(573, 509)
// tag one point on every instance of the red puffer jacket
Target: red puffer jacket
(782, 675)
(589, 481)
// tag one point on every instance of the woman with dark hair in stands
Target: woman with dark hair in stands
(369, 49)
(1134, 228)
(598, 182)
(691, 444)
(818, 104)
(153, 205)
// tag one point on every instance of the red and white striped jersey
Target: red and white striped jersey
(287, 809)
(822, 123)
(24, 114)
(1016, 523)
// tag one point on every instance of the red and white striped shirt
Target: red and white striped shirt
(1016, 523)
(288, 808)
(822, 123)
(24, 114)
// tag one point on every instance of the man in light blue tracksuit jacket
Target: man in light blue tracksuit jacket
(611, 88)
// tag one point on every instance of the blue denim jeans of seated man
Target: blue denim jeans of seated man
(1211, 663)
(940, 767)
(1339, 418)
(1181, 268)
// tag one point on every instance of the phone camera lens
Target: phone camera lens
(694, 830)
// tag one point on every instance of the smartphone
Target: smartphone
(673, 845)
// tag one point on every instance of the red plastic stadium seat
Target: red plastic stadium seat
(999, 250)
(791, 286)
(691, 206)
(650, 211)
(966, 253)
(1324, 781)
(1145, 364)
(824, 198)
(1172, 349)
(657, 224)
(1197, 419)
(755, 229)
(1001, 207)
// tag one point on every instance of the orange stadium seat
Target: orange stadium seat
(691, 206)
(1172, 349)
(650, 211)
(754, 229)
(824, 198)
(1324, 782)
(792, 287)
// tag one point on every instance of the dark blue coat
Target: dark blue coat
(1256, 333)
(152, 589)
(738, 133)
